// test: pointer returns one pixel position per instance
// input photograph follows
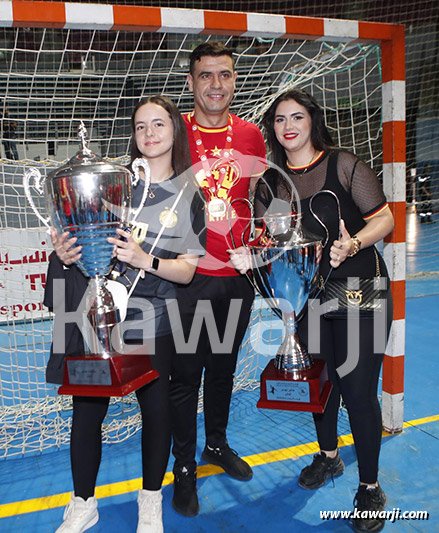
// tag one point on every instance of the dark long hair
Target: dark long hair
(181, 158)
(320, 136)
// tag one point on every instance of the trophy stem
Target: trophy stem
(103, 337)
(292, 356)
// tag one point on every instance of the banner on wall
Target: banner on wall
(24, 256)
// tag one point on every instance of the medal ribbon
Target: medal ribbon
(214, 186)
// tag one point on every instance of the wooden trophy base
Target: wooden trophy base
(309, 392)
(117, 375)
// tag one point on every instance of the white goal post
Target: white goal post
(65, 62)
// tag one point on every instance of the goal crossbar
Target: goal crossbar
(266, 27)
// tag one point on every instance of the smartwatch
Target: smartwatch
(154, 264)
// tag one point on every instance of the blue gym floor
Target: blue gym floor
(34, 489)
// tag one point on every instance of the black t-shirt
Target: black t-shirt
(183, 232)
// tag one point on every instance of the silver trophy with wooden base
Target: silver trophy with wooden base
(90, 198)
(285, 266)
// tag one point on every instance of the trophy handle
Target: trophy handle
(319, 220)
(325, 191)
(140, 162)
(249, 275)
(38, 186)
(229, 218)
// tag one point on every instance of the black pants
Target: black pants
(89, 413)
(226, 295)
(10, 150)
(358, 388)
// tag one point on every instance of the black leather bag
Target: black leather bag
(364, 295)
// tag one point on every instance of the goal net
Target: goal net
(60, 69)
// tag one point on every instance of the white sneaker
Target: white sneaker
(150, 511)
(79, 515)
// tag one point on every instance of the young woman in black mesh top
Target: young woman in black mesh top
(302, 147)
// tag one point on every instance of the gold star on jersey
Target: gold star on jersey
(216, 152)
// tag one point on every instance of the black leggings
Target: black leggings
(89, 413)
(358, 388)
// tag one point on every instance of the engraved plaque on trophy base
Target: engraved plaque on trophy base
(117, 375)
(308, 391)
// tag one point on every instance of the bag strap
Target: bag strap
(378, 271)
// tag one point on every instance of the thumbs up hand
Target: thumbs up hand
(341, 247)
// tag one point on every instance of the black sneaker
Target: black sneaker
(229, 461)
(368, 500)
(185, 499)
(320, 470)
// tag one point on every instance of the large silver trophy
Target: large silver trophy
(90, 198)
(285, 267)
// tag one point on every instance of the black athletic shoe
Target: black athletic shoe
(320, 470)
(185, 499)
(367, 501)
(229, 461)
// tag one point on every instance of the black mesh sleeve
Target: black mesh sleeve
(364, 185)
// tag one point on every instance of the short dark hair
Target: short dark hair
(209, 48)
(320, 136)
(181, 159)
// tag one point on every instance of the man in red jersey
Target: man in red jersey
(228, 154)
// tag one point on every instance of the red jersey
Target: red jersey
(231, 170)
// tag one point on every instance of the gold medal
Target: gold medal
(216, 207)
(168, 218)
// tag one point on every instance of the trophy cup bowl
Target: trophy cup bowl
(90, 198)
(285, 266)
